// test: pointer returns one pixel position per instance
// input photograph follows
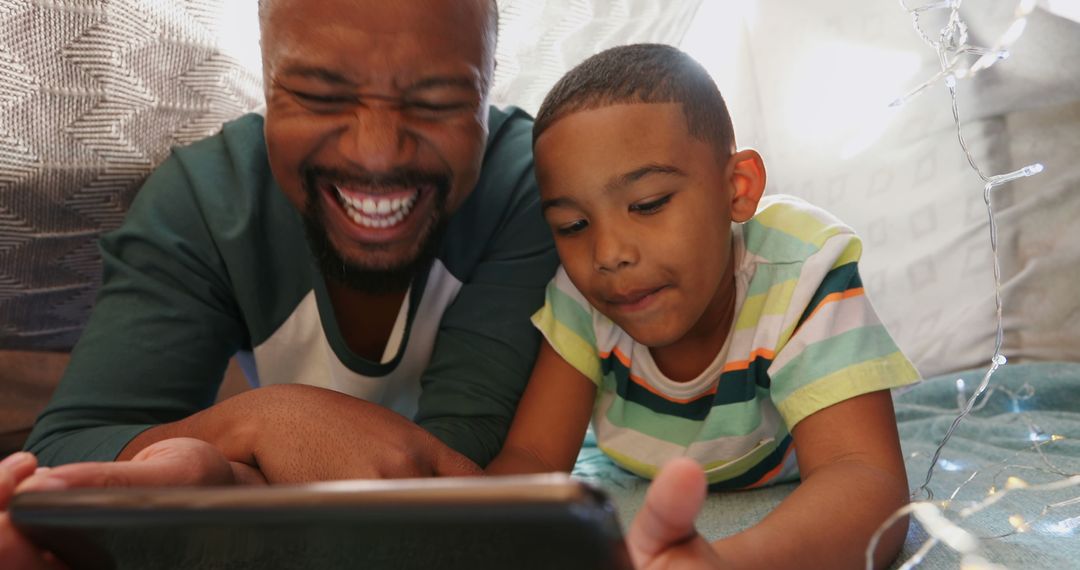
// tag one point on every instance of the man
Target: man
(374, 246)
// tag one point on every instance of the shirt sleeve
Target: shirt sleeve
(485, 348)
(837, 348)
(566, 322)
(160, 335)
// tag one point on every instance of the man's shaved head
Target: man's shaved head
(491, 7)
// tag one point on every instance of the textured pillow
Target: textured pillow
(813, 94)
(92, 96)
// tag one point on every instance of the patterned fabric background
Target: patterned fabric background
(539, 40)
(93, 93)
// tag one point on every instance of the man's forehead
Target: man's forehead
(487, 9)
(334, 33)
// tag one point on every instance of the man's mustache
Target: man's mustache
(316, 176)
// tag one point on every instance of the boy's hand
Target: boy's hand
(663, 534)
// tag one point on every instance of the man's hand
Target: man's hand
(297, 434)
(172, 462)
(16, 552)
(313, 434)
(662, 535)
(177, 462)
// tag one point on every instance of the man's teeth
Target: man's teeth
(374, 212)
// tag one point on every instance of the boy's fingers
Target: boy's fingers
(666, 519)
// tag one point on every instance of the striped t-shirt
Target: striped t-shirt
(804, 337)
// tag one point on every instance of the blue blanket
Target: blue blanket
(1028, 428)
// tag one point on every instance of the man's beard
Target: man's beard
(374, 278)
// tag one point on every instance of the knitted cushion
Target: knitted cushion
(93, 93)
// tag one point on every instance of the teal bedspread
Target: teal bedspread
(1028, 427)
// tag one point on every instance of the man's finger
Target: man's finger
(667, 517)
(18, 553)
(13, 470)
(171, 462)
(125, 474)
(19, 463)
(449, 463)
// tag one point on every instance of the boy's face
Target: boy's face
(641, 211)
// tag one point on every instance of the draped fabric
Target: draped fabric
(92, 96)
(539, 40)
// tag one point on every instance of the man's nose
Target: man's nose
(377, 138)
(614, 248)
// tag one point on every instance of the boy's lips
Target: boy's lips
(633, 299)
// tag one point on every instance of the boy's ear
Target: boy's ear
(746, 174)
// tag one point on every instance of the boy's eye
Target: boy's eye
(572, 228)
(650, 207)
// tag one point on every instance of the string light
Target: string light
(959, 60)
(953, 50)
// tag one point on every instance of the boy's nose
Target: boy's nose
(376, 139)
(613, 250)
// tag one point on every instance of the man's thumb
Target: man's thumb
(449, 463)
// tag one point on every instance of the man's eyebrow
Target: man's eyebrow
(437, 81)
(335, 78)
(628, 178)
(317, 73)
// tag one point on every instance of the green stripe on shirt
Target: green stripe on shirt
(891, 371)
(828, 356)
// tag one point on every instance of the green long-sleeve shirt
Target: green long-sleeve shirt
(212, 261)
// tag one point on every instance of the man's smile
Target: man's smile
(378, 210)
(381, 210)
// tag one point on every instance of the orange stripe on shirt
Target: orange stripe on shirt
(737, 365)
(774, 471)
(618, 354)
(833, 297)
(744, 364)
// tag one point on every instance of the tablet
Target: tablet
(535, 521)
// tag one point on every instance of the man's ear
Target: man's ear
(746, 174)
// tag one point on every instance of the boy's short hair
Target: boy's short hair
(642, 73)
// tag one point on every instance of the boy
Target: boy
(681, 334)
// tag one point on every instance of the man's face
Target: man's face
(641, 215)
(375, 124)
